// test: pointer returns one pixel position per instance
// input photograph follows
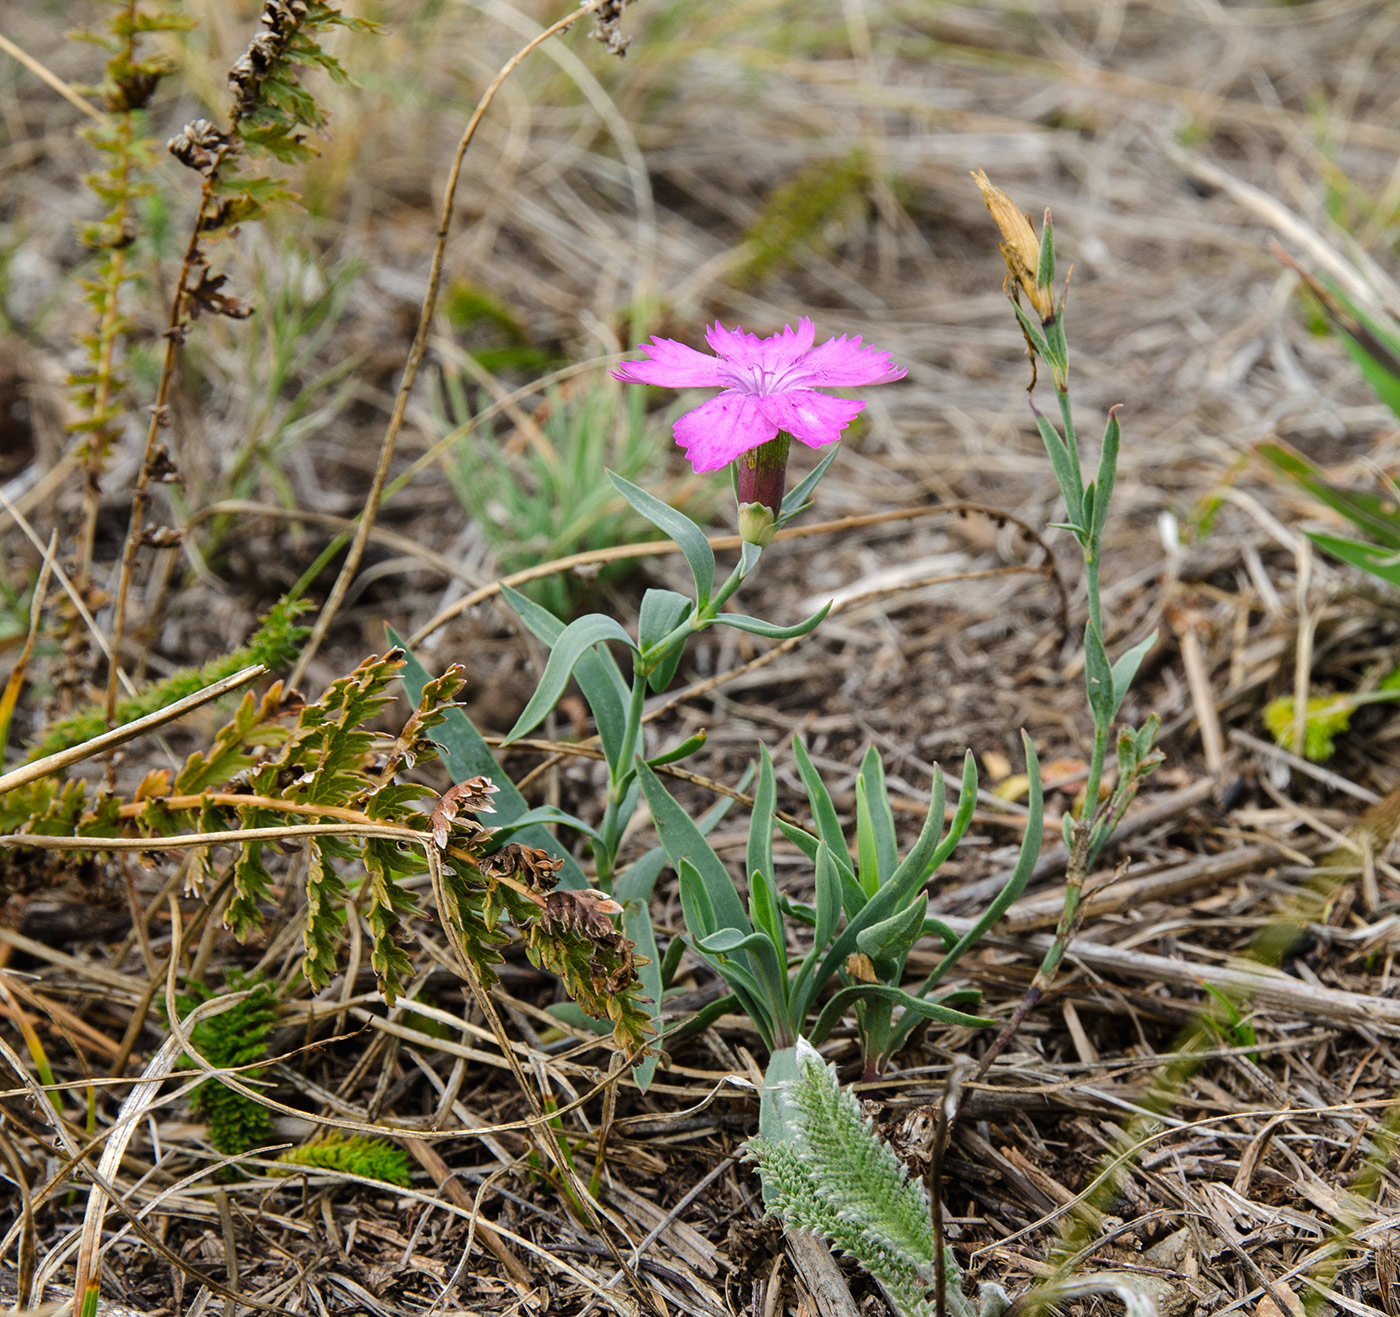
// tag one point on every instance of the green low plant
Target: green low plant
(238, 1038)
(275, 644)
(868, 914)
(1372, 339)
(830, 1174)
(370, 1159)
(552, 497)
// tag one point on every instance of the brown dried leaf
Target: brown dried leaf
(473, 796)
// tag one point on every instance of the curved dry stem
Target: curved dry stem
(660, 548)
(420, 344)
(160, 415)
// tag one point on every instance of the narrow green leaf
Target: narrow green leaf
(770, 630)
(542, 814)
(962, 819)
(759, 855)
(688, 536)
(891, 938)
(1126, 668)
(872, 770)
(574, 642)
(763, 910)
(819, 798)
(1045, 271)
(682, 751)
(1370, 513)
(1382, 563)
(828, 901)
(916, 1008)
(1015, 885)
(636, 924)
(926, 844)
(662, 611)
(597, 673)
(1063, 466)
(867, 858)
(798, 499)
(682, 840)
(1108, 472)
(1098, 675)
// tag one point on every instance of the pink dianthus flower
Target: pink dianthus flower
(769, 385)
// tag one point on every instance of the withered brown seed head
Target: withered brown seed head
(1020, 248)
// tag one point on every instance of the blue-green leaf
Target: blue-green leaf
(543, 814)
(870, 782)
(682, 840)
(1098, 675)
(763, 910)
(662, 611)
(1108, 470)
(770, 630)
(688, 536)
(797, 499)
(598, 676)
(682, 751)
(892, 937)
(819, 798)
(962, 818)
(1016, 884)
(1062, 464)
(759, 854)
(574, 642)
(1382, 563)
(916, 1008)
(1126, 668)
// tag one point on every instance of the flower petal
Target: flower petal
(716, 432)
(843, 363)
(814, 418)
(788, 348)
(735, 346)
(673, 365)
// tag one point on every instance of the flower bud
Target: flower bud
(761, 477)
(1020, 248)
(757, 524)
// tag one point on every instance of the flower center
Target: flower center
(764, 381)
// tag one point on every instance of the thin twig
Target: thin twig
(420, 344)
(118, 735)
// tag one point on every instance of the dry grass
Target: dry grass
(597, 187)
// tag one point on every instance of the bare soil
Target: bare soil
(1173, 143)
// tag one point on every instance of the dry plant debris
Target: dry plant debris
(742, 163)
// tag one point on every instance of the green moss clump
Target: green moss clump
(235, 1037)
(371, 1159)
(275, 645)
(1327, 717)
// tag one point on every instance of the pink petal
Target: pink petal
(716, 432)
(734, 345)
(788, 348)
(814, 418)
(843, 363)
(673, 365)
